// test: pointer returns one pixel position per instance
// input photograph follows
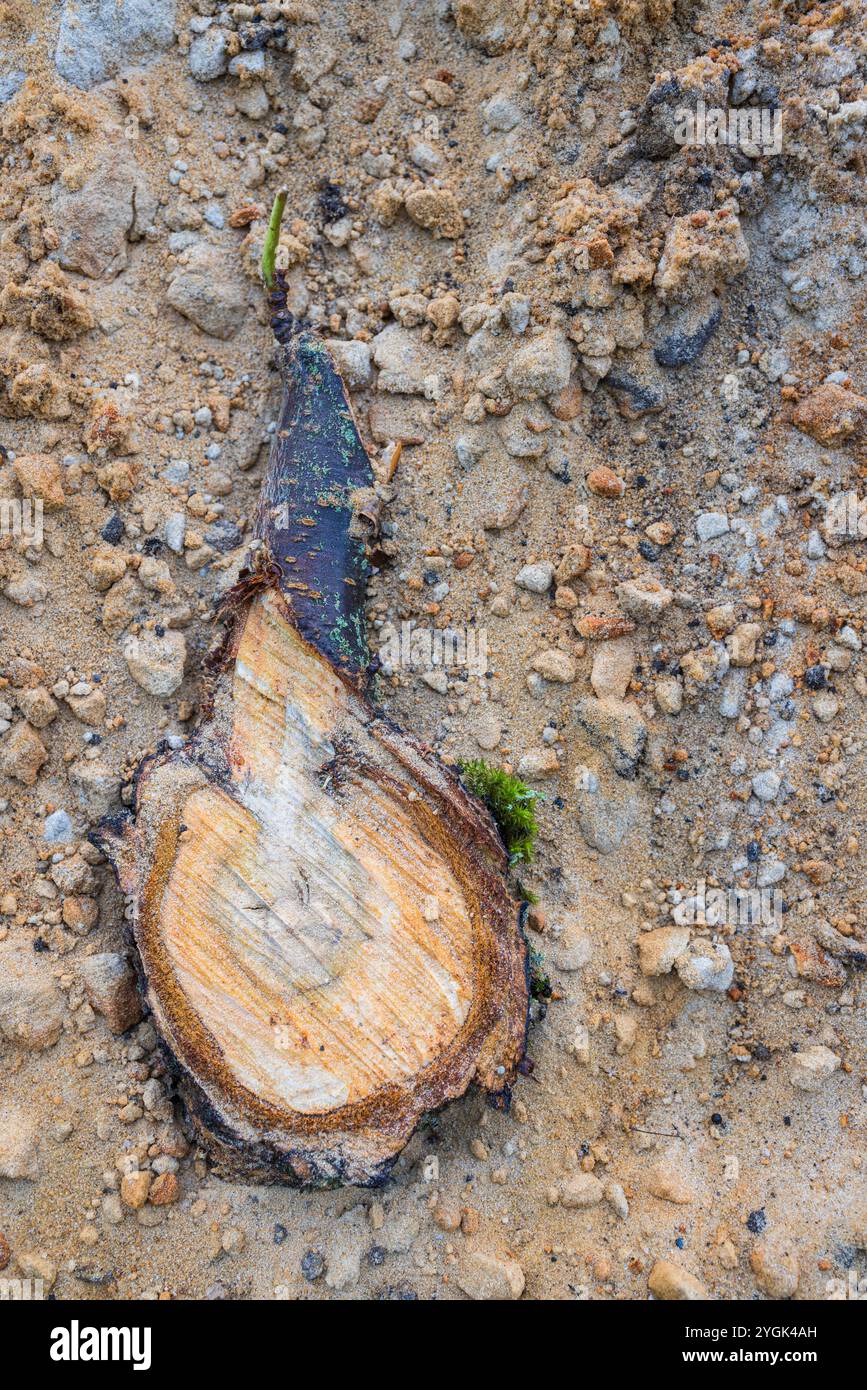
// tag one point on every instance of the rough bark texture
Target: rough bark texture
(326, 940)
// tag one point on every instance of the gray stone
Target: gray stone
(399, 1233)
(731, 697)
(810, 1068)
(402, 362)
(10, 82)
(468, 451)
(541, 367)
(74, 875)
(711, 525)
(521, 442)
(176, 471)
(97, 787)
(554, 665)
(208, 290)
(706, 965)
(99, 38)
(500, 113)
(31, 1007)
(616, 1199)
(352, 360)
(515, 309)
(606, 810)
(536, 578)
(174, 532)
(771, 871)
(96, 221)
(344, 1267)
(156, 663)
(424, 157)
(57, 829)
(538, 763)
(580, 1191)
(253, 101)
(616, 727)
(612, 668)
(825, 706)
(209, 54)
(248, 64)
(668, 693)
(18, 1145)
(644, 599)
(223, 536)
(489, 1278)
(766, 785)
(573, 950)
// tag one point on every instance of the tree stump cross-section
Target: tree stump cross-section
(324, 933)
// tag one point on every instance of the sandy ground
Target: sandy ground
(629, 379)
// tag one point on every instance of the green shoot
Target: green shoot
(511, 803)
(272, 236)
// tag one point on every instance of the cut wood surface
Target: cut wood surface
(326, 939)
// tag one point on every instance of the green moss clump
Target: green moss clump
(540, 984)
(511, 803)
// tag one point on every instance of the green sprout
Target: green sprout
(511, 803)
(272, 236)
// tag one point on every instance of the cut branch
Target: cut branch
(327, 943)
